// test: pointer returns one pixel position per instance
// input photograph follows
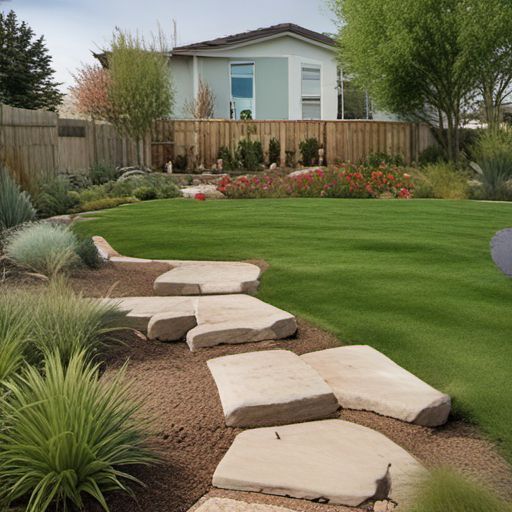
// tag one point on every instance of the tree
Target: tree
(411, 57)
(140, 85)
(203, 105)
(26, 75)
(91, 92)
(487, 32)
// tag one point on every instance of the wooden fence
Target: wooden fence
(201, 140)
(36, 142)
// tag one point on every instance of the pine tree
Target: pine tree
(26, 75)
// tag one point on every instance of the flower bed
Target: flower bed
(351, 181)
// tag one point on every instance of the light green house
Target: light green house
(280, 72)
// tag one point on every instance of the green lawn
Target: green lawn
(412, 278)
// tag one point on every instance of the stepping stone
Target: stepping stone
(238, 319)
(501, 251)
(363, 378)
(329, 461)
(163, 318)
(207, 321)
(271, 387)
(227, 505)
(209, 278)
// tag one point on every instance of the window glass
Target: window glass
(310, 81)
(242, 70)
(241, 87)
(311, 108)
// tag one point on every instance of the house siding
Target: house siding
(277, 77)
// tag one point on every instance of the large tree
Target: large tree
(26, 76)
(411, 56)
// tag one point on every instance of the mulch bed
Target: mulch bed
(189, 434)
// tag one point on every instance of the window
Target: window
(311, 95)
(242, 89)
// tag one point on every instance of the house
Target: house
(281, 72)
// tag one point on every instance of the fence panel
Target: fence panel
(201, 140)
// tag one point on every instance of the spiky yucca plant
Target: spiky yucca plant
(15, 205)
(67, 434)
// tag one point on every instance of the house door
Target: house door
(242, 90)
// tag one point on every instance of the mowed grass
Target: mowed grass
(412, 278)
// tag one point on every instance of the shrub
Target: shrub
(309, 151)
(249, 154)
(493, 153)
(376, 159)
(57, 318)
(55, 197)
(434, 154)
(101, 173)
(442, 181)
(443, 490)
(15, 205)
(106, 203)
(274, 151)
(228, 160)
(43, 247)
(67, 434)
(88, 253)
(180, 162)
(14, 336)
(145, 193)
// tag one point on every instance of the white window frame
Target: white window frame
(243, 62)
(311, 65)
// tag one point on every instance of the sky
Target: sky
(72, 28)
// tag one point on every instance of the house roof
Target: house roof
(252, 35)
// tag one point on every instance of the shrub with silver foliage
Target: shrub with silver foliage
(15, 205)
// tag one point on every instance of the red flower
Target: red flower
(200, 197)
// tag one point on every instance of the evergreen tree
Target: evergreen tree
(26, 75)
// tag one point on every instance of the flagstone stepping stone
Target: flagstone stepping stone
(228, 505)
(209, 278)
(238, 319)
(501, 251)
(163, 318)
(363, 378)
(330, 461)
(271, 387)
(207, 321)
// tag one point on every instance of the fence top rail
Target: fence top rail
(291, 121)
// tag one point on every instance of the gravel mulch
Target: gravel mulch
(189, 434)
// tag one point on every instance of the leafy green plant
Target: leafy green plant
(376, 159)
(434, 154)
(68, 434)
(43, 247)
(249, 153)
(88, 253)
(274, 151)
(309, 151)
(101, 173)
(444, 490)
(55, 318)
(246, 115)
(441, 181)
(106, 203)
(228, 160)
(145, 193)
(55, 197)
(14, 336)
(493, 153)
(15, 205)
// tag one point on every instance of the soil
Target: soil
(188, 430)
